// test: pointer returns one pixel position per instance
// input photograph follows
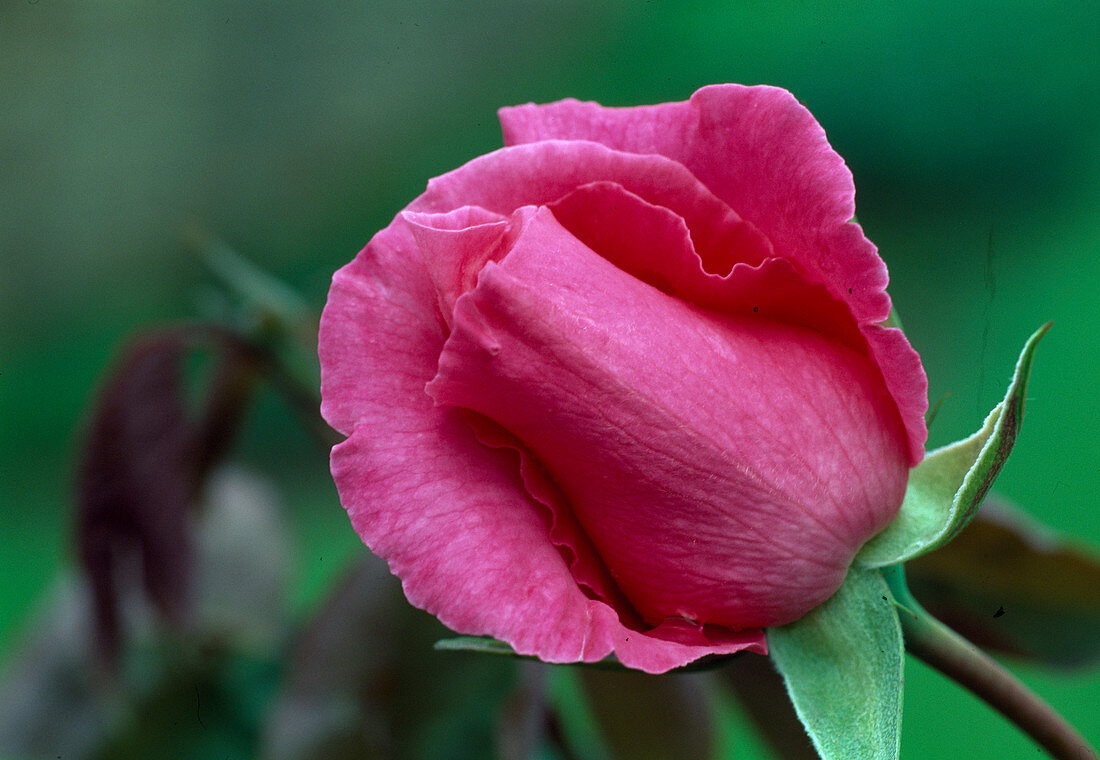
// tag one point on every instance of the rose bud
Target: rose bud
(621, 387)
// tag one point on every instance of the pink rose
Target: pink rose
(620, 387)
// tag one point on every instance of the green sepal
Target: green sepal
(946, 489)
(842, 664)
(894, 320)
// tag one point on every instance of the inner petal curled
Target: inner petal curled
(654, 244)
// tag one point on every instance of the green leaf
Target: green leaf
(946, 489)
(272, 319)
(842, 664)
(255, 287)
(894, 320)
(1013, 586)
(576, 725)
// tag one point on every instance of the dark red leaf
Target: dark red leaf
(143, 460)
(135, 480)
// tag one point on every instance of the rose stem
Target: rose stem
(940, 647)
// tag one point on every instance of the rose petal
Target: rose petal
(451, 516)
(635, 643)
(743, 520)
(904, 376)
(762, 153)
(758, 150)
(647, 241)
(455, 246)
(653, 244)
(643, 239)
(537, 174)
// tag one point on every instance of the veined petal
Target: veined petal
(764, 154)
(725, 469)
(455, 246)
(654, 244)
(757, 149)
(532, 175)
(451, 516)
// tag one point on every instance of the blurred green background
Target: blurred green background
(296, 130)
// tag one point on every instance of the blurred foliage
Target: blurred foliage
(294, 131)
(199, 688)
(1012, 586)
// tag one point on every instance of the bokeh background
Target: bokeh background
(293, 131)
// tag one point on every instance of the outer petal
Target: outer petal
(451, 516)
(905, 379)
(758, 150)
(764, 154)
(780, 453)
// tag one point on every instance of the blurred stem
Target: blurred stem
(940, 647)
(227, 397)
(275, 327)
(306, 398)
(524, 720)
(251, 356)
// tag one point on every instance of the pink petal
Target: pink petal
(654, 244)
(905, 379)
(455, 246)
(451, 516)
(758, 150)
(671, 644)
(541, 173)
(780, 452)
(564, 531)
(763, 154)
